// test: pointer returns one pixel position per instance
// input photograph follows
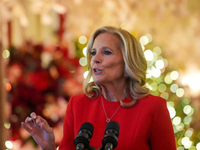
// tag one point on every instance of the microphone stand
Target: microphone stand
(100, 148)
(91, 148)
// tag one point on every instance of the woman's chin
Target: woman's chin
(98, 81)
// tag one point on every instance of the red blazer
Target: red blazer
(145, 126)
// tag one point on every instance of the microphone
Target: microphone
(110, 138)
(85, 133)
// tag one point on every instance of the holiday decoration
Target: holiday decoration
(42, 79)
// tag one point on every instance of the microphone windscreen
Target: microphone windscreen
(87, 126)
(113, 125)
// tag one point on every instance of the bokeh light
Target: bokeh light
(154, 72)
(85, 51)
(187, 120)
(176, 120)
(82, 39)
(172, 112)
(198, 146)
(160, 64)
(173, 88)
(180, 126)
(189, 132)
(170, 104)
(187, 109)
(148, 55)
(164, 95)
(157, 50)
(165, 62)
(162, 87)
(180, 148)
(154, 86)
(174, 75)
(180, 92)
(186, 142)
(168, 79)
(144, 40)
(149, 36)
(9, 144)
(83, 61)
(7, 125)
(85, 74)
(6, 53)
(8, 86)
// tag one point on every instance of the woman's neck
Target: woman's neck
(114, 94)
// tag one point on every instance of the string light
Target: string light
(156, 65)
(186, 142)
(174, 75)
(85, 74)
(7, 125)
(180, 92)
(187, 109)
(157, 50)
(187, 120)
(82, 39)
(168, 79)
(180, 127)
(9, 144)
(144, 40)
(180, 148)
(8, 86)
(83, 61)
(173, 88)
(172, 112)
(189, 132)
(6, 53)
(149, 36)
(198, 146)
(176, 120)
(164, 95)
(160, 64)
(148, 55)
(162, 87)
(170, 104)
(85, 51)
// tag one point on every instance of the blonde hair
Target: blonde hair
(135, 64)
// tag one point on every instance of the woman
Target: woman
(117, 93)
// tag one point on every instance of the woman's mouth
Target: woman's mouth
(97, 71)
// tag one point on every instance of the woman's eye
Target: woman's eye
(93, 53)
(107, 52)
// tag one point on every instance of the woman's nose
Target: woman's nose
(96, 59)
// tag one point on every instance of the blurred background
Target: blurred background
(42, 61)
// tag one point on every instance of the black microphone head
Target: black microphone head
(112, 125)
(87, 126)
(85, 133)
(110, 138)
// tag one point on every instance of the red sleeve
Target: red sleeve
(67, 142)
(162, 133)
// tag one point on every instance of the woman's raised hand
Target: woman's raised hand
(40, 131)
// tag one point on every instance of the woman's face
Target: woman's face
(106, 60)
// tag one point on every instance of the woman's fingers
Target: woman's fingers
(43, 124)
(36, 122)
(30, 121)
(26, 127)
(33, 115)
